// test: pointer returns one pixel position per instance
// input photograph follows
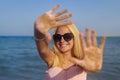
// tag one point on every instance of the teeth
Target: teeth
(63, 45)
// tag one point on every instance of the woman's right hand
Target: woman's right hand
(48, 20)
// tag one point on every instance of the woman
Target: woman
(71, 57)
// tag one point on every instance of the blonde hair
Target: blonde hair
(77, 50)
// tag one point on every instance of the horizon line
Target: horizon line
(33, 35)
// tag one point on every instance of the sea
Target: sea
(19, 60)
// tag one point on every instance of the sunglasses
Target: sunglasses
(67, 37)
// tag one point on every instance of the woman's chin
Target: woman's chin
(64, 50)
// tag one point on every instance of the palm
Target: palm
(48, 20)
(45, 22)
(93, 55)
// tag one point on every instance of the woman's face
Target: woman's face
(64, 45)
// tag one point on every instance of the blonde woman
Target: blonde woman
(71, 57)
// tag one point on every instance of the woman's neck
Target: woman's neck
(67, 55)
(67, 63)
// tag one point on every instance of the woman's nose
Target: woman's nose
(62, 39)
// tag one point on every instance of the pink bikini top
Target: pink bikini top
(72, 73)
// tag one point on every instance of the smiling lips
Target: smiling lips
(63, 45)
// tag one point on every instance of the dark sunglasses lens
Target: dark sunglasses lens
(57, 37)
(68, 36)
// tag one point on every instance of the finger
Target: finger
(53, 9)
(63, 17)
(64, 23)
(82, 40)
(60, 13)
(94, 40)
(88, 39)
(102, 42)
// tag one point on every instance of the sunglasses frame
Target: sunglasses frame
(67, 37)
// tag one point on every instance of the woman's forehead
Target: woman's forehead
(63, 29)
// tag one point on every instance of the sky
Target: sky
(17, 16)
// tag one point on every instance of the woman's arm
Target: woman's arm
(42, 47)
(42, 26)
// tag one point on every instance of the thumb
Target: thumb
(76, 61)
(48, 36)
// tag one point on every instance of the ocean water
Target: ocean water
(19, 60)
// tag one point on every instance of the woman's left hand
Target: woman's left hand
(93, 55)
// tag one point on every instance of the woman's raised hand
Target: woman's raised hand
(49, 20)
(93, 54)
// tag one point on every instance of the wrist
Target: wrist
(39, 39)
(39, 36)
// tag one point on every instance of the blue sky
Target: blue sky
(17, 16)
